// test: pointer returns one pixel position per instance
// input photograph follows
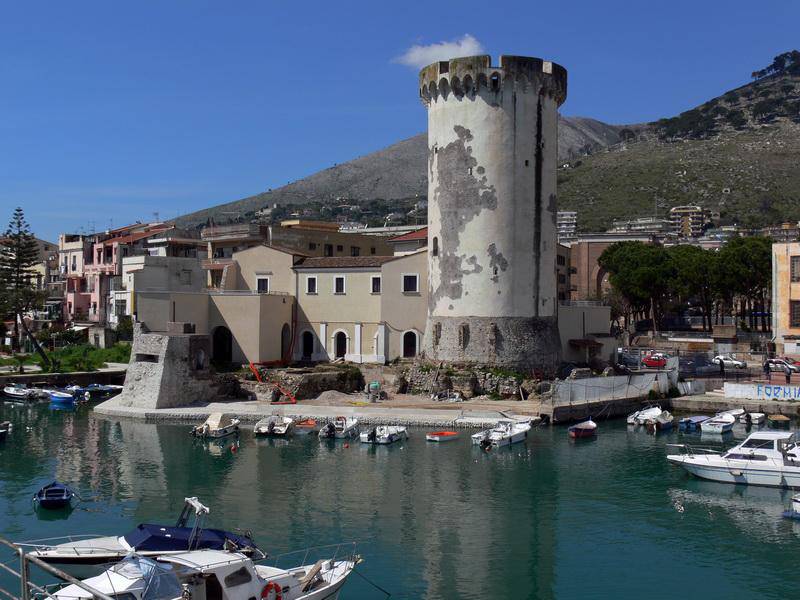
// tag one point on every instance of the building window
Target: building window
(262, 284)
(338, 284)
(376, 284)
(340, 248)
(355, 250)
(311, 285)
(312, 246)
(186, 277)
(795, 268)
(328, 250)
(562, 278)
(436, 246)
(794, 313)
(410, 283)
(372, 250)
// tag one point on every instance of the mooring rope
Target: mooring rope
(372, 583)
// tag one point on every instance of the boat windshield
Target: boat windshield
(757, 443)
(159, 579)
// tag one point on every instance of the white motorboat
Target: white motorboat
(88, 555)
(384, 434)
(722, 423)
(664, 421)
(216, 426)
(770, 458)
(504, 433)
(207, 574)
(735, 412)
(754, 418)
(274, 426)
(340, 428)
(18, 392)
(641, 416)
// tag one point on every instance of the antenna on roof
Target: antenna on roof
(155, 216)
(91, 226)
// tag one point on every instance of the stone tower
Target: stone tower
(492, 150)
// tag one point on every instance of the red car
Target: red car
(655, 361)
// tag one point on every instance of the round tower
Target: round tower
(492, 150)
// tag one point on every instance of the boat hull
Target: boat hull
(734, 473)
(442, 436)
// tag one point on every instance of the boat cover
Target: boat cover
(218, 420)
(149, 537)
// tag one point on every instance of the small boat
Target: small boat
(585, 429)
(87, 555)
(62, 398)
(778, 421)
(99, 391)
(78, 392)
(770, 458)
(722, 423)
(384, 434)
(5, 428)
(662, 422)
(640, 416)
(19, 392)
(504, 433)
(794, 512)
(54, 495)
(217, 425)
(340, 428)
(442, 436)
(692, 423)
(211, 574)
(753, 418)
(306, 426)
(274, 426)
(734, 412)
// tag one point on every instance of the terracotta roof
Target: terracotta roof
(419, 234)
(343, 262)
(127, 239)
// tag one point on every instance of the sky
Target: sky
(112, 112)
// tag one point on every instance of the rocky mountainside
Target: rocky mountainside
(396, 172)
(737, 154)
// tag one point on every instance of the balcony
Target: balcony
(236, 231)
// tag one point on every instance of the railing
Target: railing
(345, 551)
(26, 585)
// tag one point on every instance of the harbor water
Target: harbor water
(550, 518)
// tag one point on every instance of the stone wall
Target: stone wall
(170, 369)
(424, 378)
(306, 384)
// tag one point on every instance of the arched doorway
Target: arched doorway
(340, 344)
(222, 345)
(307, 345)
(286, 341)
(409, 344)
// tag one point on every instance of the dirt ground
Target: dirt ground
(334, 398)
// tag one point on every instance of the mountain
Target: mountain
(737, 154)
(396, 172)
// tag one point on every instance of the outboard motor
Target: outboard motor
(330, 430)
(486, 444)
(271, 426)
(373, 435)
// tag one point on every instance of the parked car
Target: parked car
(779, 364)
(655, 361)
(790, 360)
(729, 362)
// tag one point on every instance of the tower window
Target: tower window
(470, 170)
(437, 333)
(463, 335)
(495, 82)
(526, 162)
(435, 251)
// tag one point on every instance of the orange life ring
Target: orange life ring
(272, 587)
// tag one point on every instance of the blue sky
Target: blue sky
(113, 111)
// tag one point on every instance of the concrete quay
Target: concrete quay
(714, 403)
(252, 411)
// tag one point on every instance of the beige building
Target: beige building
(786, 297)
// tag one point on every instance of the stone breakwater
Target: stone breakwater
(249, 412)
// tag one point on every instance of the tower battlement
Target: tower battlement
(466, 77)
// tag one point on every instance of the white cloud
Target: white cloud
(419, 56)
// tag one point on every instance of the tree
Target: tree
(695, 271)
(746, 275)
(19, 254)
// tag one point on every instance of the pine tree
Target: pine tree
(19, 254)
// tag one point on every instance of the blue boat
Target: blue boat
(62, 398)
(794, 512)
(692, 423)
(54, 495)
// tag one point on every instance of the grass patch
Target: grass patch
(84, 357)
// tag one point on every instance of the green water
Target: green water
(551, 518)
